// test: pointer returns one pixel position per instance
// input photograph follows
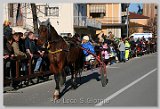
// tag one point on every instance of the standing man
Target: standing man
(33, 51)
(7, 31)
(111, 36)
(9, 63)
(121, 47)
(127, 49)
(16, 48)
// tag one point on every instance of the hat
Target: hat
(86, 38)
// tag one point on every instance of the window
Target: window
(124, 7)
(97, 15)
(155, 7)
(97, 10)
(40, 8)
(52, 11)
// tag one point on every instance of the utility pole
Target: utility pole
(127, 21)
(34, 14)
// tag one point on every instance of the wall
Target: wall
(85, 31)
(63, 23)
(113, 16)
(140, 21)
(115, 30)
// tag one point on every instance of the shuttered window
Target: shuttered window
(97, 8)
(52, 11)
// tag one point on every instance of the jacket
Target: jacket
(30, 44)
(127, 45)
(89, 47)
(121, 46)
(17, 51)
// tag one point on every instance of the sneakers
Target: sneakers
(32, 81)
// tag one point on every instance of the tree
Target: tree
(34, 14)
(19, 16)
(152, 23)
(132, 30)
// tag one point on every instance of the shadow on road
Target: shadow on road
(80, 81)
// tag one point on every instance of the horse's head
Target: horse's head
(47, 31)
(43, 28)
(44, 31)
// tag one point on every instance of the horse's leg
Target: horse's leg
(73, 77)
(62, 79)
(56, 94)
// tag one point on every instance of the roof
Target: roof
(137, 16)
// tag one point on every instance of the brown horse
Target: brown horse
(61, 54)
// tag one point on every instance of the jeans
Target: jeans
(24, 66)
(126, 54)
(38, 63)
(122, 56)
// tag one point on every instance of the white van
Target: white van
(140, 35)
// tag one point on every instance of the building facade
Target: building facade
(151, 10)
(109, 14)
(64, 17)
(82, 23)
(138, 23)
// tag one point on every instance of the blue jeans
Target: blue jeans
(122, 56)
(38, 64)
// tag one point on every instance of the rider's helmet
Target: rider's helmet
(86, 38)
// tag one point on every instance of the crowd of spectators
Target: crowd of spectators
(23, 47)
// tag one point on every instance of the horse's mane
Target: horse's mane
(54, 35)
(54, 32)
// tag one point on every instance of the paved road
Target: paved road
(133, 83)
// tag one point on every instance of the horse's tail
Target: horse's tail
(81, 64)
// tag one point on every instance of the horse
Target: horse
(60, 54)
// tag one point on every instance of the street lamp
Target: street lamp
(127, 20)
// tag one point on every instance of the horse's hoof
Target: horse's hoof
(74, 86)
(106, 81)
(56, 97)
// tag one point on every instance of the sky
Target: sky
(133, 7)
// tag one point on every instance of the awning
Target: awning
(97, 8)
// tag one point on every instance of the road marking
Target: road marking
(112, 67)
(124, 88)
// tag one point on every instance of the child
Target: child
(105, 53)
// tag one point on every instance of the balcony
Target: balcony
(83, 21)
(109, 20)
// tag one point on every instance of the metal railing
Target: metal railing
(110, 20)
(83, 21)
